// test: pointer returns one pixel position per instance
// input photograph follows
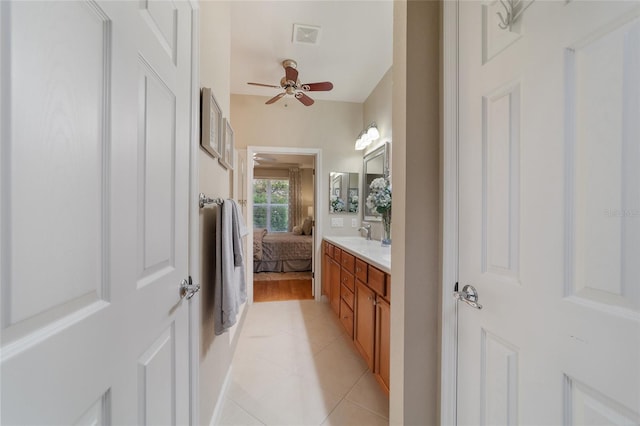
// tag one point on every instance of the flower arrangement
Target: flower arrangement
(379, 199)
(337, 204)
(353, 204)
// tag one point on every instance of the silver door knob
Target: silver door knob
(188, 289)
(468, 295)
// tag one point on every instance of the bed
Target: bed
(281, 251)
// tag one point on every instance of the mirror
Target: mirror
(376, 164)
(344, 192)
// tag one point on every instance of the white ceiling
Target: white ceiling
(354, 50)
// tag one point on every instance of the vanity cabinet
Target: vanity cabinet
(360, 295)
(365, 322)
(334, 292)
(383, 343)
(331, 271)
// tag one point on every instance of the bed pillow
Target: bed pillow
(297, 230)
(307, 226)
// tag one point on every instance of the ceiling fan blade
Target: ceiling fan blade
(307, 101)
(316, 87)
(291, 74)
(266, 159)
(264, 85)
(275, 98)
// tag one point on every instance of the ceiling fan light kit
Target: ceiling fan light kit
(292, 86)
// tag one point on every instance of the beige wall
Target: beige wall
(215, 351)
(307, 190)
(416, 221)
(377, 108)
(330, 126)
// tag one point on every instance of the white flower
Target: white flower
(379, 199)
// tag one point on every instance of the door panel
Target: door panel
(46, 168)
(365, 322)
(603, 103)
(95, 124)
(156, 368)
(501, 183)
(549, 195)
(156, 171)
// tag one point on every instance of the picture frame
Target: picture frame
(211, 124)
(226, 151)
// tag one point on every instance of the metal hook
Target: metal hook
(508, 8)
(512, 15)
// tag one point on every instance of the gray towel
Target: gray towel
(230, 287)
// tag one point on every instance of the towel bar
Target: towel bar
(206, 201)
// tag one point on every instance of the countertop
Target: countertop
(369, 250)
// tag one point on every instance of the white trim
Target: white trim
(194, 221)
(217, 411)
(449, 343)
(318, 206)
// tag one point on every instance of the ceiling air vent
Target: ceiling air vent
(306, 34)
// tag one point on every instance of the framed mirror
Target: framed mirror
(376, 164)
(344, 193)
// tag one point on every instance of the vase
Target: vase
(386, 228)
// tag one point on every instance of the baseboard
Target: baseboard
(217, 411)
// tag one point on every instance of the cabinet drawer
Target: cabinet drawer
(348, 280)
(336, 253)
(361, 270)
(348, 261)
(346, 317)
(328, 249)
(347, 295)
(376, 280)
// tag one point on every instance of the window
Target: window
(271, 204)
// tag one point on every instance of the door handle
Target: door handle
(468, 295)
(188, 289)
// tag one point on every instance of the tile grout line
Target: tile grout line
(247, 412)
(344, 398)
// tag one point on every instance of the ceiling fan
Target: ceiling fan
(292, 85)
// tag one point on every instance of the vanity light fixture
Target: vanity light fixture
(367, 136)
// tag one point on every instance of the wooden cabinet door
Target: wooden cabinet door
(326, 275)
(365, 321)
(334, 290)
(383, 342)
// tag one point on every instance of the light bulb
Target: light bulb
(372, 132)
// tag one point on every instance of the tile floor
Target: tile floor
(295, 365)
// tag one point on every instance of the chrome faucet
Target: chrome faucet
(367, 228)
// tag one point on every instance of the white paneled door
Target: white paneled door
(549, 213)
(95, 124)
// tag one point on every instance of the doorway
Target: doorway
(281, 210)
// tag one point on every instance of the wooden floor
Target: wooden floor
(278, 290)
